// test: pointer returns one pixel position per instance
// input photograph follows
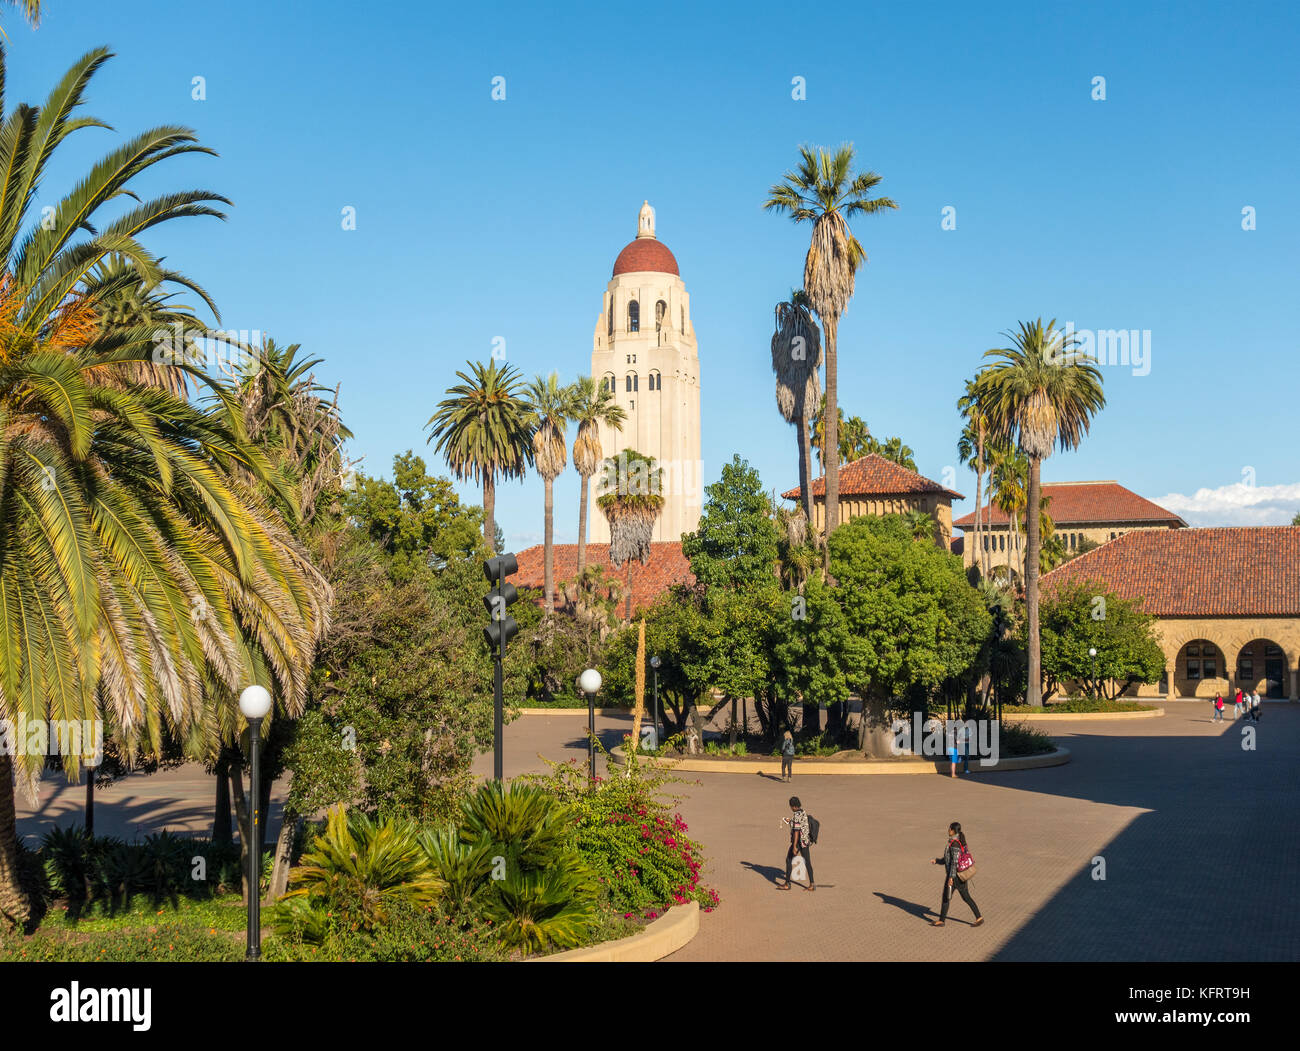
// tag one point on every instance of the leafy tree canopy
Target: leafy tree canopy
(1078, 617)
(735, 546)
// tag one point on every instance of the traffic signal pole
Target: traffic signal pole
(498, 723)
(501, 630)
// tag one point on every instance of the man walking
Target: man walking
(800, 843)
(1254, 705)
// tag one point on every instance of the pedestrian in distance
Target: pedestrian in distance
(959, 869)
(787, 756)
(1236, 714)
(1218, 708)
(1255, 712)
(800, 843)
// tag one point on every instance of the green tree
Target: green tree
(735, 546)
(894, 449)
(417, 519)
(484, 430)
(824, 191)
(1042, 394)
(811, 651)
(913, 620)
(1082, 616)
(1296, 520)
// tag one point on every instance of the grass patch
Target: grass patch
(1079, 706)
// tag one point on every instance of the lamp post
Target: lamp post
(589, 683)
(254, 704)
(654, 667)
(1092, 653)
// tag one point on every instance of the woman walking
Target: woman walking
(787, 757)
(957, 862)
(1218, 708)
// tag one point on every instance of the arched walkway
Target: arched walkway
(1200, 669)
(1261, 664)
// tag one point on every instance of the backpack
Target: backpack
(964, 860)
(814, 827)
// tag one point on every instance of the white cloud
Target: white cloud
(1236, 505)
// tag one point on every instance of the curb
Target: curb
(853, 767)
(575, 711)
(666, 935)
(1153, 713)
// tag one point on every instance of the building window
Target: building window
(661, 308)
(656, 381)
(1193, 669)
(608, 382)
(1245, 669)
(610, 315)
(683, 321)
(631, 383)
(1209, 668)
(631, 359)
(634, 316)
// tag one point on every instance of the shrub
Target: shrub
(411, 933)
(164, 942)
(1018, 738)
(628, 834)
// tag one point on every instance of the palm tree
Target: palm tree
(31, 10)
(632, 507)
(796, 360)
(1008, 478)
(141, 581)
(485, 429)
(855, 439)
(919, 524)
(894, 450)
(824, 191)
(552, 405)
(1043, 394)
(593, 407)
(970, 449)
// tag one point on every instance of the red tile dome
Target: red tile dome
(646, 254)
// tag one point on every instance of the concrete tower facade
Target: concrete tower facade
(644, 351)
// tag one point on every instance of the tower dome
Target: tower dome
(646, 254)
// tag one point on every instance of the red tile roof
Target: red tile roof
(1249, 571)
(1086, 503)
(667, 566)
(873, 475)
(645, 253)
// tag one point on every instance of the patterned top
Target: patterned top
(951, 856)
(799, 829)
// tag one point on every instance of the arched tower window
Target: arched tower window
(630, 381)
(683, 328)
(634, 316)
(608, 382)
(661, 308)
(610, 315)
(656, 381)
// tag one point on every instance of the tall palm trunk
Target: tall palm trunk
(582, 526)
(831, 453)
(805, 468)
(548, 548)
(490, 511)
(14, 905)
(1035, 696)
(981, 556)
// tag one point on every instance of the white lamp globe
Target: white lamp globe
(1092, 651)
(589, 681)
(255, 702)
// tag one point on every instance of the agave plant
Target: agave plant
(361, 866)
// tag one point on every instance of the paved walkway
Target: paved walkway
(1198, 837)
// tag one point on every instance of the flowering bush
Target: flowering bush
(631, 838)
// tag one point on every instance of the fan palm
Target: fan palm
(139, 579)
(796, 360)
(632, 506)
(593, 407)
(552, 406)
(1043, 394)
(484, 430)
(824, 191)
(919, 524)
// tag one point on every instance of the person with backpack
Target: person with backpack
(1218, 708)
(959, 869)
(803, 833)
(787, 757)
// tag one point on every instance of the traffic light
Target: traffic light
(503, 627)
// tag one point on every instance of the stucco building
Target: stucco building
(872, 485)
(1096, 511)
(644, 351)
(1227, 603)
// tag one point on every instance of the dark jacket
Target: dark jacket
(950, 858)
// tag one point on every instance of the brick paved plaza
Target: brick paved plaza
(1199, 837)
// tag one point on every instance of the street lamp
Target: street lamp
(654, 666)
(1092, 653)
(254, 704)
(589, 683)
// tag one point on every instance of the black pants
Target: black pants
(787, 766)
(961, 889)
(807, 860)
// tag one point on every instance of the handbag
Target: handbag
(965, 873)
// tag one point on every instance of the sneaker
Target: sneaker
(978, 922)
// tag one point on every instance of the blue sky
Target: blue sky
(479, 219)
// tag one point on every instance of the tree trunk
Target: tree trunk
(264, 812)
(831, 428)
(14, 904)
(1035, 685)
(981, 557)
(874, 734)
(283, 857)
(490, 511)
(548, 549)
(805, 470)
(221, 828)
(812, 719)
(241, 818)
(732, 743)
(582, 527)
